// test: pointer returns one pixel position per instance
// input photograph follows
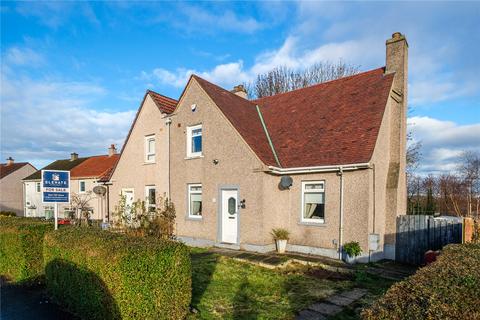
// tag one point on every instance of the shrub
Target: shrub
(21, 245)
(280, 234)
(8, 214)
(352, 249)
(446, 289)
(104, 275)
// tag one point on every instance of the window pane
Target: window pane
(82, 185)
(151, 157)
(316, 186)
(195, 188)
(151, 145)
(196, 204)
(151, 196)
(232, 205)
(196, 144)
(314, 207)
(197, 132)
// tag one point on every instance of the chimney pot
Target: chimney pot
(73, 156)
(112, 150)
(10, 161)
(240, 91)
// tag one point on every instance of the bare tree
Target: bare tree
(283, 79)
(469, 171)
(81, 205)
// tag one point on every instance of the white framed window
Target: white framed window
(150, 148)
(82, 188)
(195, 201)
(313, 201)
(150, 198)
(194, 141)
(38, 187)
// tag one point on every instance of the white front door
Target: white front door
(129, 196)
(229, 216)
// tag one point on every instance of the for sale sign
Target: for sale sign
(55, 186)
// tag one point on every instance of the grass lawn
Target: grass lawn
(227, 289)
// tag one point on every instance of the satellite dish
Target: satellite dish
(285, 182)
(99, 190)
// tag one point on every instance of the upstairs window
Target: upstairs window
(37, 186)
(195, 200)
(313, 201)
(150, 148)
(81, 186)
(150, 198)
(194, 141)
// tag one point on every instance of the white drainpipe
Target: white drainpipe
(340, 236)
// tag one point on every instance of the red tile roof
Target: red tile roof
(165, 104)
(5, 169)
(94, 167)
(332, 123)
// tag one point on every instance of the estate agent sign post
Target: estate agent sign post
(55, 189)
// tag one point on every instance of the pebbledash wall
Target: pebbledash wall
(12, 190)
(372, 197)
(132, 171)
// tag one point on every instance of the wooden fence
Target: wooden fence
(416, 234)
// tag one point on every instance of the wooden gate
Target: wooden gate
(416, 234)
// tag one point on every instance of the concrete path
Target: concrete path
(331, 306)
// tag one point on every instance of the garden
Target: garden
(99, 274)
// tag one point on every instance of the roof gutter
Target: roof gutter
(335, 168)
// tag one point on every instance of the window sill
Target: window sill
(312, 223)
(193, 157)
(193, 218)
(148, 163)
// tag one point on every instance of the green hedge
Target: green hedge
(21, 246)
(103, 275)
(446, 289)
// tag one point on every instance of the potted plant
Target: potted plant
(281, 237)
(351, 250)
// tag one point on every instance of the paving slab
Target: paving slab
(309, 315)
(354, 294)
(340, 300)
(327, 309)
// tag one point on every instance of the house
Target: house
(142, 171)
(85, 174)
(11, 186)
(326, 162)
(93, 172)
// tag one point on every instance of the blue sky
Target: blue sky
(74, 73)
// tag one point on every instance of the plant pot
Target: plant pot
(281, 245)
(348, 259)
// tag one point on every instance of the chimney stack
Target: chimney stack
(10, 161)
(397, 61)
(73, 156)
(112, 150)
(240, 91)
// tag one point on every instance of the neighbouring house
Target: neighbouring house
(326, 162)
(93, 172)
(85, 174)
(11, 186)
(143, 167)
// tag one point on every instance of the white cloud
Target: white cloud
(45, 119)
(23, 57)
(233, 73)
(443, 142)
(216, 19)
